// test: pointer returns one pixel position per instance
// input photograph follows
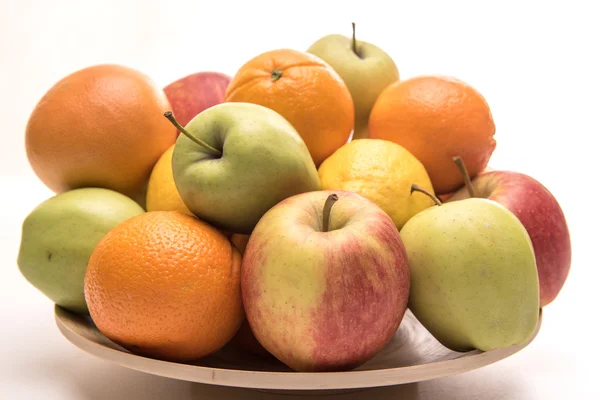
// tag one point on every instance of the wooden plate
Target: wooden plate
(413, 355)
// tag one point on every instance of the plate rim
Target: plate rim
(277, 380)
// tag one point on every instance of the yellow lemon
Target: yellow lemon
(162, 194)
(381, 171)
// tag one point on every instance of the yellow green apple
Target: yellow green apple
(59, 236)
(365, 68)
(234, 161)
(474, 281)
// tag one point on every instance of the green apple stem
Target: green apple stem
(465, 174)
(331, 199)
(416, 188)
(215, 152)
(354, 38)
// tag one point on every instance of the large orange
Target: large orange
(166, 285)
(101, 126)
(305, 90)
(437, 118)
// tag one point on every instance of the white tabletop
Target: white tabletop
(533, 64)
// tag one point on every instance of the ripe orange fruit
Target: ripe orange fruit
(166, 285)
(305, 90)
(102, 126)
(437, 118)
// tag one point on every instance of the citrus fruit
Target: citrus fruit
(381, 171)
(305, 90)
(59, 236)
(165, 285)
(100, 126)
(162, 194)
(437, 118)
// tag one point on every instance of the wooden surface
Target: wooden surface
(413, 355)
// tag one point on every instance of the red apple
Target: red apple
(325, 282)
(195, 93)
(543, 218)
(244, 338)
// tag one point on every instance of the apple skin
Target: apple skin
(474, 282)
(365, 74)
(194, 93)
(539, 211)
(262, 161)
(244, 339)
(325, 301)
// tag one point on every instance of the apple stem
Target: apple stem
(170, 117)
(354, 38)
(465, 174)
(331, 199)
(416, 188)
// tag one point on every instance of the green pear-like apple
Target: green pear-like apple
(234, 161)
(59, 236)
(474, 281)
(365, 68)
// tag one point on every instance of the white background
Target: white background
(535, 62)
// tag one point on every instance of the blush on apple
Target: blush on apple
(244, 339)
(195, 93)
(543, 218)
(325, 286)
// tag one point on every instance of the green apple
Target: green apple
(365, 68)
(234, 161)
(474, 281)
(59, 236)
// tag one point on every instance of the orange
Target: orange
(305, 90)
(437, 118)
(165, 285)
(162, 194)
(102, 126)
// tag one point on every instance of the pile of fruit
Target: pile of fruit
(295, 210)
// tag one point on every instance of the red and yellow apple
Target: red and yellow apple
(195, 93)
(540, 213)
(244, 339)
(325, 283)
